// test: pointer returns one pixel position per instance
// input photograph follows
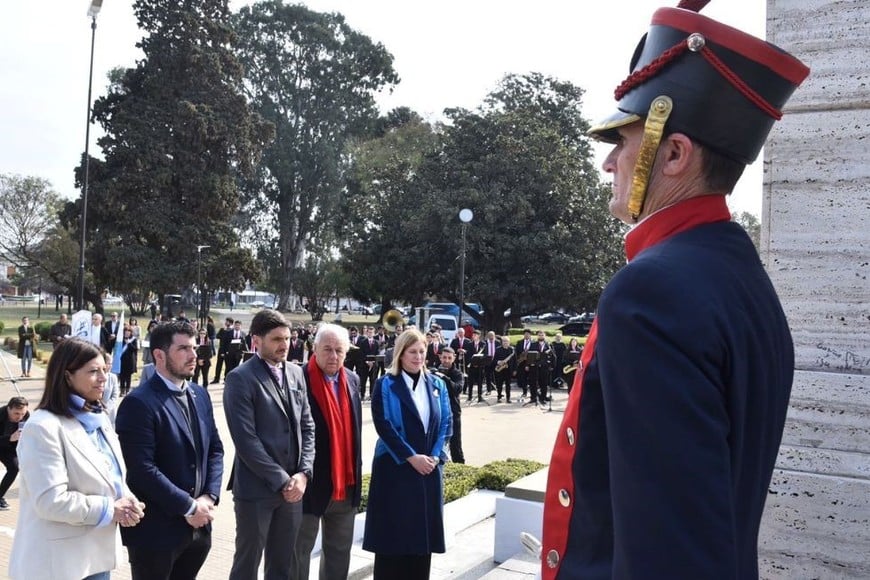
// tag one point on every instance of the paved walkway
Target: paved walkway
(490, 432)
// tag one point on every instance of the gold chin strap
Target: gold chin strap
(659, 111)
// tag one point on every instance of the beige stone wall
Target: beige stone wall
(816, 245)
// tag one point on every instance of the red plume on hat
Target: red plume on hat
(727, 87)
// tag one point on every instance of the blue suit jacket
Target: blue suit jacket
(159, 450)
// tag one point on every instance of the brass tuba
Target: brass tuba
(392, 319)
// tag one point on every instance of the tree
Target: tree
(752, 226)
(28, 209)
(179, 134)
(315, 78)
(541, 237)
(32, 237)
(379, 198)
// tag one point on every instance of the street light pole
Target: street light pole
(465, 216)
(201, 308)
(93, 10)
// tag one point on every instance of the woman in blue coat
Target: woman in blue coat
(411, 413)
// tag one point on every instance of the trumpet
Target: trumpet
(392, 319)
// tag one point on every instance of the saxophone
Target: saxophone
(502, 364)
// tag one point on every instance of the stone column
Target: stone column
(816, 246)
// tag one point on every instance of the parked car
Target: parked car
(554, 318)
(367, 310)
(585, 317)
(576, 328)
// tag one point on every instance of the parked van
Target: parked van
(448, 325)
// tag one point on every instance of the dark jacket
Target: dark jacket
(26, 334)
(271, 445)
(7, 428)
(161, 456)
(319, 490)
(679, 419)
(405, 509)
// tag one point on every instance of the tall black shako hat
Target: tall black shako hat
(693, 75)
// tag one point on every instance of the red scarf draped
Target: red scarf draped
(339, 425)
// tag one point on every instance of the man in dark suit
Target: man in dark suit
(222, 336)
(461, 346)
(112, 331)
(269, 419)
(505, 362)
(334, 494)
(296, 350)
(352, 357)
(523, 368)
(539, 372)
(174, 459)
(476, 370)
(368, 346)
(235, 346)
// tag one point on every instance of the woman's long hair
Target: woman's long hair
(70, 354)
(405, 340)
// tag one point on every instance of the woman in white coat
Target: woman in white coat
(72, 489)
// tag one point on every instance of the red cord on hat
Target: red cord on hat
(639, 77)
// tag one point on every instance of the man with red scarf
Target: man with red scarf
(333, 495)
(662, 463)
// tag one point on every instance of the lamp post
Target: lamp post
(201, 315)
(93, 10)
(465, 216)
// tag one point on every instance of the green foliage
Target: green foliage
(2, 326)
(461, 479)
(499, 474)
(541, 236)
(178, 136)
(752, 226)
(314, 78)
(29, 214)
(42, 329)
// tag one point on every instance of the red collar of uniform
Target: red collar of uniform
(674, 219)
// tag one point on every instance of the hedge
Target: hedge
(461, 479)
(42, 329)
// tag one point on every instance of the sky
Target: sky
(449, 53)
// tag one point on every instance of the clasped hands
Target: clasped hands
(203, 514)
(128, 511)
(424, 464)
(295, 488)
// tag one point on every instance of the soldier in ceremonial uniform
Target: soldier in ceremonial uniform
(662, 463)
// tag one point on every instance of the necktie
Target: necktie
(276, 374)
(491, 349)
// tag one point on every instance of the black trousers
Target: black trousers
(182, 563)
(202, 369)
(10, 460)
(404, 567)
(456, 453)
(503, 380)
(219, 367)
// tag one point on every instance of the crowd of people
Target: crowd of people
(661, 464)
(149, 460)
